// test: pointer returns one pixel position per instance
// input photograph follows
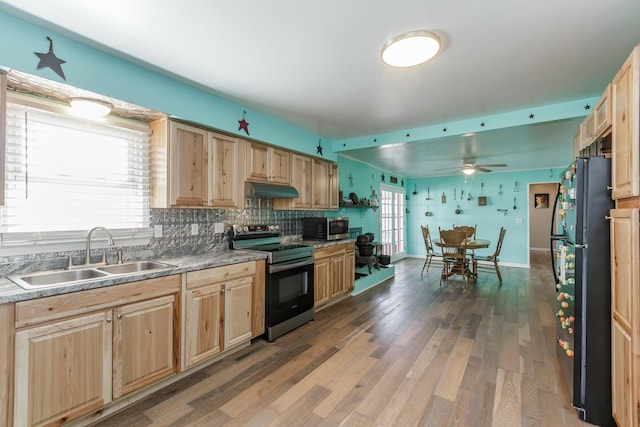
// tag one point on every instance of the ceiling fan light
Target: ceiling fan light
(412, 48)
(468, 171)
(89, 108)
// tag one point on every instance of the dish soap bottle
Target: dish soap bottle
(443, 198)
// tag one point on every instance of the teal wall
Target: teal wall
(515, 249)
(364, 178)
(96, 71)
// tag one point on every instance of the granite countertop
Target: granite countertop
(10, 292)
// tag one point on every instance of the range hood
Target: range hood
(270, 191)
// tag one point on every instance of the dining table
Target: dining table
(463, 248)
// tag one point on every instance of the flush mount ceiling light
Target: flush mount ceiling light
(90, 108)
(412, 48)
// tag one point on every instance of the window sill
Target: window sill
(12, 244)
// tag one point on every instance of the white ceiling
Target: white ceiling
(317, 65)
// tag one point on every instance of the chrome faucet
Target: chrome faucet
(87, 259)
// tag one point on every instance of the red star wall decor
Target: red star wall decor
(244, 125)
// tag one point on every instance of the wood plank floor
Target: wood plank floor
(403, 353)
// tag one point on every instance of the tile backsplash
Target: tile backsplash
(177, 238)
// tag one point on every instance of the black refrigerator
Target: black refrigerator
(581, 261)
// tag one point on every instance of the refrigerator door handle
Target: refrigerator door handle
(580, 246)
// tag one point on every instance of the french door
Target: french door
(392, 221)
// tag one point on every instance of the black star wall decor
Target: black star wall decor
(531, 116)
(50, 60)
(319, 147)
(382, 177)
(244, 125)
(587, 107)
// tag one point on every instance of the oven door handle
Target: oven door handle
(288, 266)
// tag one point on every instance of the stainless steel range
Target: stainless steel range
(289, 279)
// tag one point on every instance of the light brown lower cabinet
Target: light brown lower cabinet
(63, 369)
(221, 305)
(204, 308)
(625, 313)
(76, 353)
(143, 344)
(333, 272)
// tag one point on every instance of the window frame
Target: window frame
(21, 243)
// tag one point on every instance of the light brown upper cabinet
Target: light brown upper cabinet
(301, 180)
(602, 114)
(193, 167)
(626, 133)
(321, 181)
(268, 164)
(587, 130)
(316, 181)
(577, 142)
(334, 187)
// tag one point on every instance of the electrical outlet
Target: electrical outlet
(218, 227)
(157, 231)
(518, 220)
(194, 229)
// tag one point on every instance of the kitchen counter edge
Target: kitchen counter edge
(10, 292)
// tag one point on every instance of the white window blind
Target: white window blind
(66, 175)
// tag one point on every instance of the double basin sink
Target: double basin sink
(69, 277)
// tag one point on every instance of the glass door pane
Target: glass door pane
(392, 221)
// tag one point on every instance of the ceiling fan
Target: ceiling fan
(469, 167)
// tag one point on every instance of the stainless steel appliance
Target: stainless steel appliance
(581, 260)
(319, 228)
(289, 280)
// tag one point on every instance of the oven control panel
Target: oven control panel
(239, 230)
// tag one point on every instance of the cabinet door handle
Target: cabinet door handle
(108, 319)
(608, 218)
(609, 187)
(119, 316)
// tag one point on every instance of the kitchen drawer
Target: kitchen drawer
(209, 276)
(56, 307)
(329, 251)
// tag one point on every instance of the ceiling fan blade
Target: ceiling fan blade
(481, 169)
(497, 165)
(444, 169)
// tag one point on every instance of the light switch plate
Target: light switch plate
(157, 231)
(194, 229)
(218, 227)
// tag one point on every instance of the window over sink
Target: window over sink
(65, 175)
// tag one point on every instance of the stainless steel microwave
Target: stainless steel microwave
(315, 228)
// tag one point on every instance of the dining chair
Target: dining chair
(431, 252)
(454, 258)
(470, 230)
(471, 235)
(490, 261)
